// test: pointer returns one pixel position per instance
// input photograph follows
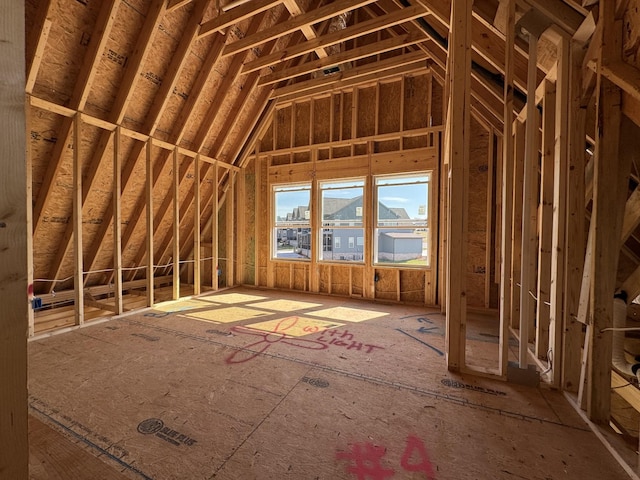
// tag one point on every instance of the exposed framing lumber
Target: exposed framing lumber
(215, 206)
(230, 229)
(486, 42)
(175, 195)
(575, 223)
(529, 184)
(289, 26)
(196, 227)
(176, 4)
(104, 24)
(201, 136)
(242, 12)
(561, 14)
(29, 217)
(516, 232)
(39, 40)
(320, 84)
(385, 21)
(558, 242)
(14, 263)
(231, 76)
(118, 110)
(545, 223)
(176, 136)
(117, 222)
(390, 44)
(458, 164)
(308, 31)
(608, 172)
(149, 226)
(78, 280)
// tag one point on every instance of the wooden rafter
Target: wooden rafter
(291, 25)
(201, 136)
(104, 24)
(349, 33)
(152, 119)
(353, 73)
(118, 110)
(393, 43)
(176, 135)
(308, 31)
(242, 12)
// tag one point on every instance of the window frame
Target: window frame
(412, 223)
(277, 225)
(326, 228)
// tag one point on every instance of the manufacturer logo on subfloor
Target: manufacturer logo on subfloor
(152, 426)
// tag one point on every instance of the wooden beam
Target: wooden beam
(178, 59)
(545, 222)
(136, 61)
(198, 89)
(631, 214)
(196, 227)
(458, 165)
(308, 31)
(152, 122)
(104, 24)
(349, 33)
(230, 230)
(14, 261)
(78, 280)
(175, 195)
(222, 91)
(608, 172)
(575, 246)
(149, 234)
(516, 232)
(36, 61)
(561, 14)
(283, 28)
(486, 42)
(371, 68)
(116, 115)
(117, 221)
(39, 36)
(215, 207)
(236, 15)
(176, 4)
(558, 242)
(393, 43)
(529, 189)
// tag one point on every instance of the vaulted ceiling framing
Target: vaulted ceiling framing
(144, 114)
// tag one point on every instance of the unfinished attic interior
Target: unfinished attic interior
(320, 239)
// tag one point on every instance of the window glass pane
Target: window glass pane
(343, 244)
(292, 205)
(293, 243)
(402, 246)
(292, 232)
(402, 220)
(403, 204)
(342, 203)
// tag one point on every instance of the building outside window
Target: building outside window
(341, 205)
(292, 222)
(402, 220)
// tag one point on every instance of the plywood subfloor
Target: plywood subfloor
(362, 393)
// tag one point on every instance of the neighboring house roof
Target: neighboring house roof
(345, 208)
(401, 234)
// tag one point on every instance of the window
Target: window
(292, 222)
(341, 217)
(402, 220)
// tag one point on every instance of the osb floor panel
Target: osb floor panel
(248, 384)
